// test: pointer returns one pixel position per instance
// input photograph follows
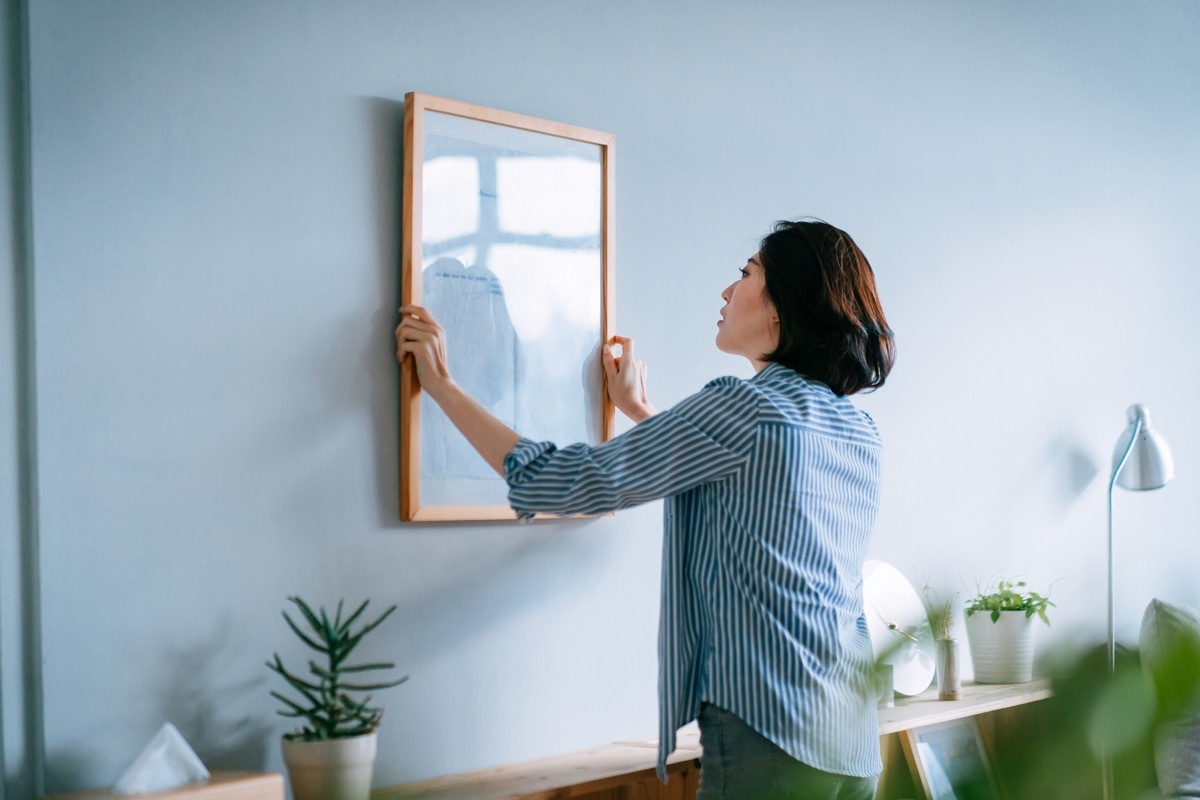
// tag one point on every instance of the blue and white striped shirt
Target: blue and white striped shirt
(772, 487)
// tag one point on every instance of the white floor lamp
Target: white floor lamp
(1141, 461)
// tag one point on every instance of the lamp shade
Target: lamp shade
(1150, 464)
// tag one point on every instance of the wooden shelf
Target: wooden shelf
(977, 698)
(570, 775)
(222, 786)
(594, 772)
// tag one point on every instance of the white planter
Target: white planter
(337, 769)
(1002, 651)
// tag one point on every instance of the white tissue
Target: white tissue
(168, 762)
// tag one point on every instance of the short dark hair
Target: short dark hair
(831, 325)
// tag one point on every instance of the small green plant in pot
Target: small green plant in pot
(332, 755)
(1000, 631)
(1009, 596)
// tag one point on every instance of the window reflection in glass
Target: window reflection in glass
(512, 266)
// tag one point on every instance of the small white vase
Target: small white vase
(1002, 651)
(949, 686)
(336, 769)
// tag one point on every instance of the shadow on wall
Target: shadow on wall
(1054, 483)
(67, 769)
(352, 371)
(386, 122)
(499, 575)
(196, 701)
(1072, 469)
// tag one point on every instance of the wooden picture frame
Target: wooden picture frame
(508, 239)
(949, 762)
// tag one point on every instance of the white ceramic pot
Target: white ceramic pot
(337, 769)
(1002, 651)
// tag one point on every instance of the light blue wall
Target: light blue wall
(215, 201)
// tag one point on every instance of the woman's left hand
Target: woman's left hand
(421, 338)
(626, 377)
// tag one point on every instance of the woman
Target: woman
(772, 486)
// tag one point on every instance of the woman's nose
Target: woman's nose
(725, 294)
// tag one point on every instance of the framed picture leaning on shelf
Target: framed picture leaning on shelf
(950, 762)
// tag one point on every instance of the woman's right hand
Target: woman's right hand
(627, 380)
(419, 337)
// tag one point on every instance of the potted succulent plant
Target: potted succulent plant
(1000, 631)
(332, 755)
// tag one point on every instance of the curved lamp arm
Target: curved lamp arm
(1112, 482)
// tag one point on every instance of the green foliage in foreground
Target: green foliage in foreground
(1055, 751)
(1009, 596)
(326, 701)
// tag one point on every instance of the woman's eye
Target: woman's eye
(743, 271)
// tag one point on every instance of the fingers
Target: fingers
(421, 349)
(413, 309)
(406, 333)
(608, 360)
(419, 342)
(626, 345)
(412, 323)
(412, 347)
(404, 351)
(412, 329)
(415, 312)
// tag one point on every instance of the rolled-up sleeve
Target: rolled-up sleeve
(704, 438)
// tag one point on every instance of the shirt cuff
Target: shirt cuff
(521, 465)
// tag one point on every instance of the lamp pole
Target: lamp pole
(1152, 467)
(1112, 634)
(1112, 628)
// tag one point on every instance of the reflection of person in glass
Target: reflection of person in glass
(772, 487)
(475, 314)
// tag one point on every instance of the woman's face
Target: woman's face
(749, 326)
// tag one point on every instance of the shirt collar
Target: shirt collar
(772, 370)
(777, 371)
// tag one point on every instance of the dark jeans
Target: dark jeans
(741, 764)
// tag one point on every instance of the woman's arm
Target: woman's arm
(488, 435)
(421, 338)
(704, 438)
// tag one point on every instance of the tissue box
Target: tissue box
(222, 786)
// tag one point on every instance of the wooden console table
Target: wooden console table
(222, 786)
(625, 770)
(1003, 712)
